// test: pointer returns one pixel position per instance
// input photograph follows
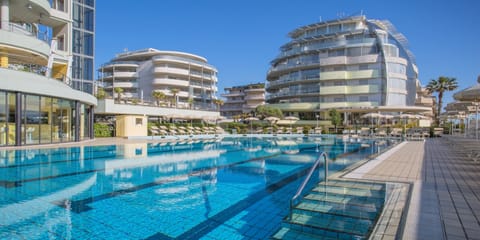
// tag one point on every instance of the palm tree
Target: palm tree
(174, 92)
(118, 91)
(218, 102)
(441, 85)
(158, 96)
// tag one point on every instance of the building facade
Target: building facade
(242, 99)
(186, 80)
(349, 64)
(83, 41)
(38, 103)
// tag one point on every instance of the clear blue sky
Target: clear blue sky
(241, 37)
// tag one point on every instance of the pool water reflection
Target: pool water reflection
(229, 188)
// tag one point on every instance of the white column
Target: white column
(5, 14)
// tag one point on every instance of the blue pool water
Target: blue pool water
(228, 189)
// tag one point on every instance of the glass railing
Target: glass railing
(318, 46)
(41, 71)
(184, 59)
(118, 62)
(25, 30)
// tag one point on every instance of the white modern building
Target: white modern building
(186, 80)
(39, 103)
(352, 64)
(242, 99)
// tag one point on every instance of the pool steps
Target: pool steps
(337, 209)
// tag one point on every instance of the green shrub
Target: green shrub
(102, 130)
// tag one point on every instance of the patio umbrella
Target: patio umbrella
(292, 119)
(372, 115)
(272, 119)
(471, 94)
(251, 119)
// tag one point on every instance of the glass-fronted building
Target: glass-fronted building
(38, 102)
(349, 64)
(83, 39)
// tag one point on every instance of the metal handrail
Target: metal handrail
(307, 179)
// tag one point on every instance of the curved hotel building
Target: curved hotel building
(38, 100)
(139, 73)
(351, 64)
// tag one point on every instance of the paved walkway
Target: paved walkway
(445, 202)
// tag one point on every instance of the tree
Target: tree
(263, 111)
(218, 102)
(158, 96)
(174, 92)
(190, 102)
(441, 85)
(101, 94)
(335, 117)
(118, 91)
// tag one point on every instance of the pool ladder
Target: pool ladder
(307, 179)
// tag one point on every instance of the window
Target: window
(139, 121)
(334, 28)
(363, 81)
(363, 67)
(349, 26)
(363, 99)
(61, 43)
(354, 52)
(335, 53)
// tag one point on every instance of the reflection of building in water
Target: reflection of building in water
(33, 208)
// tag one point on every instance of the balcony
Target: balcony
(360, 89)
(119, 65)
(170, 82)
(228, 101)
(399, 60)
(24, 42)
(21, 81)
(187, 61)
(317, 46)
(402, 76)
(234, 94)
(306, 107)
(255, 90)
(164, 70)
(126, 84)
(426, 101)
(255, 97)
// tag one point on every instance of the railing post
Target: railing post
(326, 167)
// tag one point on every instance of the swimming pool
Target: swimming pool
(233, 188)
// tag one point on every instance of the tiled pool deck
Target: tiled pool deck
(445, 199)
(445, 194)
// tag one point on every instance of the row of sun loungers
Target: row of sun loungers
(173, 130)
(411, 134)
(467, 147)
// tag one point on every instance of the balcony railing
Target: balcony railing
(40, 70)
(27, 30)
